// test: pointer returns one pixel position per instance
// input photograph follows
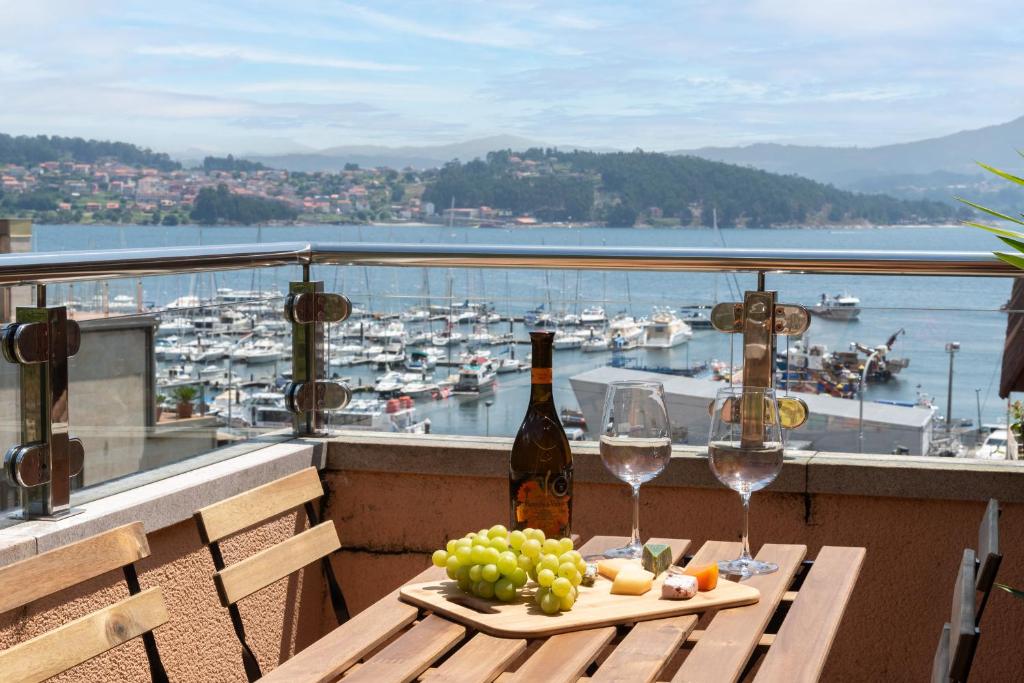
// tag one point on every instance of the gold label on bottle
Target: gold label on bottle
(540, 375)
(544, 504)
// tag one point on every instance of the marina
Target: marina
(453, 340)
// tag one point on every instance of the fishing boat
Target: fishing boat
(665, 330)
(476, 377)
(838, 307)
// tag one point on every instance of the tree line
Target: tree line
(220, 205)
(26, 150)
(621, 187)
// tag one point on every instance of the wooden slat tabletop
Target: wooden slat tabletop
(648, 651)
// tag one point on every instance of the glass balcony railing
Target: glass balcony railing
(186, 350)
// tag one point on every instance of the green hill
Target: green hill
(25, 150)
(617, 187)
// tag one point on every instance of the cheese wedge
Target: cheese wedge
(609, 568)
(630, 581)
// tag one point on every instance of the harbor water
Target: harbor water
(931, 311)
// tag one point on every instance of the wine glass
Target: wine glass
(635, 443)
(745, 453)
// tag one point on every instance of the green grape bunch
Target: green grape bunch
(495, 563)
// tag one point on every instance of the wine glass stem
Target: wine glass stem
(745, 497)
(635, 541)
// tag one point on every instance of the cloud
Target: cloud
(263, 56)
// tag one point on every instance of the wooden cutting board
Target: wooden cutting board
(594, 607)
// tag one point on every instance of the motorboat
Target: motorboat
(563, 341)
(258, 351)
(389, 383)
(506, 365)
(396, 415)
(698, 316)
(475, 377)
(838, 307)
(665, 330)
(594, 315)
(624, 332)
(420, 361)
(447, 338)
(174, 327)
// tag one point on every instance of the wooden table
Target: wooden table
(784, 637)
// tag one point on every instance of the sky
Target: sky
(271, 77)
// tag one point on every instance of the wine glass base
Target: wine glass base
(743, 567)
(630, 552)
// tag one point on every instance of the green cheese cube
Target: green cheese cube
(657, 557)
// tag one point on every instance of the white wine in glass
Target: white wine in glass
(635, 443)
(745, 453)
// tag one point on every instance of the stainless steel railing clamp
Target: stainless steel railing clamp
(759, 318)
(308, 307)
(301, 397)
(42, 466)
(316, 307)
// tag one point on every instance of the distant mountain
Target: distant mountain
(366, 156)
(886, 167)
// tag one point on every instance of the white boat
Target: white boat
(665, 330)
(506, 365)
(594, 315)
(394, 415)
(563, 341)
(391, 330)
(480, 336)
(447, 338)
(475, 378)
(624, 332)
(174, 327)
(202, 351)
(838, 307)
(389, 383)
(490, 318)
(258, 351)
(994, 447)
(420, 361)
(419, 338)
(596, 343)
(415, 314)
(419, 388)
(169, 349)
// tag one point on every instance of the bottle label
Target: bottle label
(544, 503)
(540, 375)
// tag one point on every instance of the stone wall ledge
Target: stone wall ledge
(160, 498)
(806, 472)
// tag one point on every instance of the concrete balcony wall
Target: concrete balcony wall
(395, 499)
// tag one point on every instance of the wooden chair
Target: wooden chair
(80, 640)
(959, 638)
(258, 571)
(989, 557)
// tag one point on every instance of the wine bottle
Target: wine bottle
(540, 465)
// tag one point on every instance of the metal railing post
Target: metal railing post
(309, 308)
(43, 464)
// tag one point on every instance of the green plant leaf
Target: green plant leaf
(1011, 590)
(996, 231)
(1014, 243)
(1013, 259)
(1002, 174)
(990, 212)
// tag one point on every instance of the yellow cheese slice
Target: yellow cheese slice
(609, 568)
(630, 581)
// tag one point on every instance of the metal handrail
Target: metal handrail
(51, 267)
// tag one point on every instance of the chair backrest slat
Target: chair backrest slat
(36, 577)
(963, 633)
(239, 512)
(78, 641)
(988, 547)
(267, 566)
(940, 662)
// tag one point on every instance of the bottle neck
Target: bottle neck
(540, 373)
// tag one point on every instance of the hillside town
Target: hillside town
(109, 191)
